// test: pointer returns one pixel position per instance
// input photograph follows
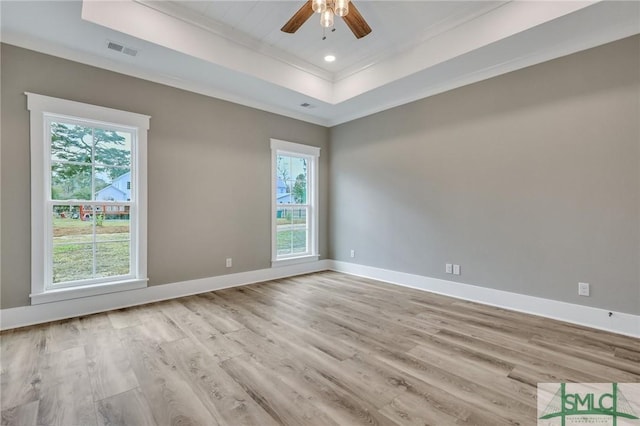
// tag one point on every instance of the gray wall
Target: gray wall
(209, 170)
(530, 181)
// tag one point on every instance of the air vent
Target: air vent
(121, 48)
(115, 46)
(129, 51)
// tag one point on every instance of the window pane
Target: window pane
(70, 142)
(283, 243)
(112, 259)
(113, 184)
(299, 231)
(299, 180)
(72, 224)
(72, 262)
(112, 148)
(112, 224)
(283, 230)
(292, 231)
(70, 182)
(283, 177)
(283, 192)
(72, 244)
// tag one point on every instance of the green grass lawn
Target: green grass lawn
(77, 223)
(75, 261)
(291, 241)
(73, 257)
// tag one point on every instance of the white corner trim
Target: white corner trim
(619, 322)
(42, 103)
(86, 291)
(35, 314)
(294, 260)
(296, 148)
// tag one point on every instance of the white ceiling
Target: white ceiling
(257, 24)
(234, 50)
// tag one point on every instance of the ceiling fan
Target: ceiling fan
(327, 9)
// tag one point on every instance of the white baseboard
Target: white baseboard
(36, 314)
(619, 322)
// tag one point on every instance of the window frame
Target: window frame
(44, 110)
(312, 154)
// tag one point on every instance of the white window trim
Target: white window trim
(284, 147)
(39, 107)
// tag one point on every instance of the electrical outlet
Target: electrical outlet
(456, 269)
(583, 289)
(448, 268)
(353, 253)
(229, 262)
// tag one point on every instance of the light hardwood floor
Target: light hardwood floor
(321, 349)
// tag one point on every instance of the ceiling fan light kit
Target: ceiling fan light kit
(319, 6)
(327, 9)
(326, 19)
(341, 7)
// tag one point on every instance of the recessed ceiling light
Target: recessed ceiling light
(329, 58)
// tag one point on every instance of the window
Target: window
(294, 194)
(88, 199)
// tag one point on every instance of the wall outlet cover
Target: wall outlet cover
(456, 269)
(448, 268)
(583, 289)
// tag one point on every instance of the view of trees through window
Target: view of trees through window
(90, 201)
(292, 205)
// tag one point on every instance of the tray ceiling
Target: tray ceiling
(234, 50)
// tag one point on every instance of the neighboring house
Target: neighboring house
(283, 196)
(119, 190)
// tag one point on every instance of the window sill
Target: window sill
(294, 260)
(86, 291)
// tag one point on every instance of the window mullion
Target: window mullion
(93, 192)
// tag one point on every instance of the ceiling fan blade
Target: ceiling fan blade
(356, 22)
(298, 19)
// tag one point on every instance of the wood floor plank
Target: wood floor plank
(194, 326)
(432, 398)
(171, 398)
(317, 349)
(59, 367)
(219, 321)
(618, 362)
(479, 372)
(222, 395)
(312, 374)
(20, 353)
(108, 365)
(93, 324)
(68, 403)
(122, 318)
(282, 402)
(627, 354)
(285, 322)
(64, 335)
(408, 410)
(22, 415)
(124, 409)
